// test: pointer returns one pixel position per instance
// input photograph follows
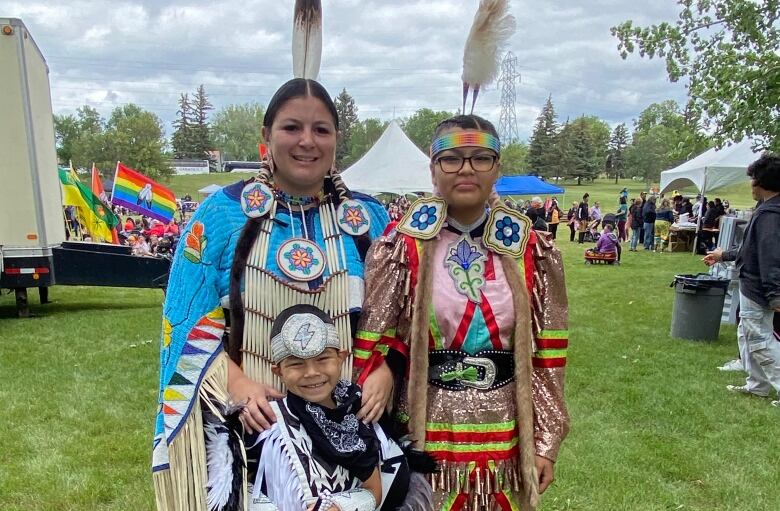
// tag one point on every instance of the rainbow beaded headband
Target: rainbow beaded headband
(465, 139)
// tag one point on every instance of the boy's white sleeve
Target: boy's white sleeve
(276, 475)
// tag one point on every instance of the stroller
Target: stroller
(609, 219)
(592, 233)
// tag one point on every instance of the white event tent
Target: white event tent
(392, 165)
(712, 169)
(208, 190)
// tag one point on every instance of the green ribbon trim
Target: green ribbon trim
(361, 354)
(496, 427)
(553, 334)
(551, 354)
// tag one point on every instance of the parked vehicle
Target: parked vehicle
(33, 250)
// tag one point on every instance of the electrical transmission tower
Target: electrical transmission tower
(507, 123)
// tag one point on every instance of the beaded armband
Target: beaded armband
(357, 499)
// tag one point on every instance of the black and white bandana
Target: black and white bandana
(337, 434)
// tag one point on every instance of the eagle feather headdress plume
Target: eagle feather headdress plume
(307, 39)
(493, 26)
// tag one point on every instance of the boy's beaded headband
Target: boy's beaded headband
(303, 335)
(465, 139)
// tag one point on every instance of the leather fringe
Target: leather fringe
(182, 487)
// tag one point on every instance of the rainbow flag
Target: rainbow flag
(137, 192)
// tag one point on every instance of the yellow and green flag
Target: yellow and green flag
(98, 219)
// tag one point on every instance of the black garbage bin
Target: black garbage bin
(698, 305)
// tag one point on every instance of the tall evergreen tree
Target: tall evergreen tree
(348, 121)
(182, 138)
(617, 146)
(540, 150)
(201, 139)
(585, 160)
(561, 155)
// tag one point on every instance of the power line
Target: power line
(507, 123)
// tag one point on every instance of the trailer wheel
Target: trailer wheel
(22, 307)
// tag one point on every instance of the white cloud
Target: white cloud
(392, 57)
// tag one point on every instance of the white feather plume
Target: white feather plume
(307, 39)
(493, 26)
(219, 463)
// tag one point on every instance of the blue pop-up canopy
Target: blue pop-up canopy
(525, 185)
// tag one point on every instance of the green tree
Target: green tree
(616, 160)
(135, 137)
(348, 121)
(364, 136)
(581, 153)
(561, 155)
(182, 140)
(201, 134)
(419, 127)
(66, 131)
(541, 154)
(662, 138)
(89, 145)
(514, 159)
(650, 152)
(236, 130)
(729, 52)
(599, 134)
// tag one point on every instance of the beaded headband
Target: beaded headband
(303, 336)
(465, 139)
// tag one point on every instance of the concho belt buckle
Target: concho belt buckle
(490, 373)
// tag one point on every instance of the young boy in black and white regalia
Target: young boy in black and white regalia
(318, 456)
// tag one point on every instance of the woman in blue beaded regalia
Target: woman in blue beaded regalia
(293, 234)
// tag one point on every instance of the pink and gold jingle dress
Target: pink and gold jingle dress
(473, 433)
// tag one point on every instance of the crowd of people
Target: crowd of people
(640, 221)
(150, 237)
(146, 236)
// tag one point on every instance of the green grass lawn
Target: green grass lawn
(653, 427)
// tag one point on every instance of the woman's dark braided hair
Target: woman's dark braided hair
(334, 186)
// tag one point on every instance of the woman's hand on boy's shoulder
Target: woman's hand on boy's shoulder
(257, 415)
(376, 393)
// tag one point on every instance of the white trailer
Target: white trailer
(33, 250)
(31, 221)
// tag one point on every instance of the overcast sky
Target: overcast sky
(393, 57)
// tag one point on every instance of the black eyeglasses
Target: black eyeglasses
(478, 162)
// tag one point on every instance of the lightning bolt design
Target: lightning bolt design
(304, 335)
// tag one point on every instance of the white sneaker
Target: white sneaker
(732, 365)
(776, 403)
(743, 389)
